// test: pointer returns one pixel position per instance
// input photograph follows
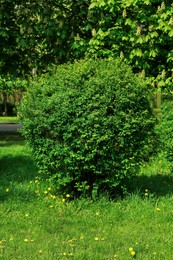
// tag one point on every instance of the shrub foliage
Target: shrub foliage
(89, 124)
(164, 129)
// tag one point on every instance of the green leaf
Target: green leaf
(171, 33)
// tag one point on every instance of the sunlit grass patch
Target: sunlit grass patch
(9, 119)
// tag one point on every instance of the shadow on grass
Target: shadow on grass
(15, 175)
(158, 185)
(11, 142)
(11, 136)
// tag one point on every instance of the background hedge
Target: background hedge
(89, 124)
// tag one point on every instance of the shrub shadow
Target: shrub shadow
(11, 136)
(15, 178)
(159, 185)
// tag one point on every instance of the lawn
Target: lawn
(8, 119)
(38, 224)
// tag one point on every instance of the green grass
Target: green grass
(8, 119)
(37, 224)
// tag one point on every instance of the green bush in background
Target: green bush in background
(89, 124)
(164, 129)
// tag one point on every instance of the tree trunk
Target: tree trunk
(5, 113)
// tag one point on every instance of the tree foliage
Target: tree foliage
(34, 34)
(138, 31)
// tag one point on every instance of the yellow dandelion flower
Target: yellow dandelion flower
(63, 200)
(158, 209)
(36, 181)
(30, 182)
(64, 254)
(49, 189)
(130, 249)
(81, 238)
(26, 215)
(97, 213)
(132, 253)
(96, 238)
(7, 190)
(146, 190)
(51, 206)
(40, 251)
(26, 240)
(67, 195)
(45, 192)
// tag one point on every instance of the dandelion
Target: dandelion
(30, 182)
(36, 181)
(146, 194)
(158, 209)
(45, 192)
(97, 213)
(81, 238)
(40, 251)
(63, 200)
(67, 195)
(26, 240)
(7, 190)
(51, 206)
(26, 215)
(96, 238)
(130, 249)
(146, 190)
(132, 253)
(49, 188)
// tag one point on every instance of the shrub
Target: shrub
(164, 129)
(89, 124)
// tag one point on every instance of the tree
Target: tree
(138, 31)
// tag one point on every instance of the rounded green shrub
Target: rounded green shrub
(89, 124)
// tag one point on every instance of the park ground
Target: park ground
(38, 224)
